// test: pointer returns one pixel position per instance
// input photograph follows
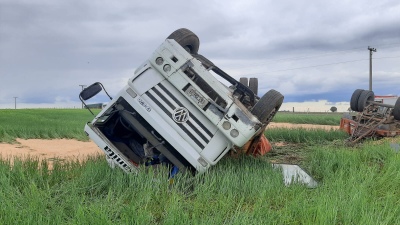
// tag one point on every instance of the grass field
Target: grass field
(43, 124)
(69, 123)
(308, 118)
(357, 185)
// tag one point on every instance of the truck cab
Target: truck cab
(174, 111)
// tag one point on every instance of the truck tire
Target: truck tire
(365, 96)
(253, 85)
(187, 39)
(354, 99)
(268, 105)
(396, 110)
(204, 61)
(244, 81)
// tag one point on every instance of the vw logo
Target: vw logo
(180, 115)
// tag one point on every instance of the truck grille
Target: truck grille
(167, 102)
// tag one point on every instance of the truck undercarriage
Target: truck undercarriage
(374, 119)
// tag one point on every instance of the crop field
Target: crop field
(43, 124)
(356, 185)
(309, 118)
(69, 123)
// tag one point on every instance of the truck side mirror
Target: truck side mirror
(91, 91)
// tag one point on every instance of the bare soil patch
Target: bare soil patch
(66, 149)
(287, 153)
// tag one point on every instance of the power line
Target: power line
(320, 65)
(388, 45)
(295, 58)
(312, 56)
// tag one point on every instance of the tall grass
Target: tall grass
(43, 123)
(356, 185)
(309, 118)
(302, 135)
(359, 186)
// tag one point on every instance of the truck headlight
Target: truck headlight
(226, 125)
(167, 68)
(202, 161)
(234, 133)
(159, 61)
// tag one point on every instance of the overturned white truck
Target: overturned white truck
(174, 111)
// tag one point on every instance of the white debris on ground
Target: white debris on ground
(294, 174)
(395, 147)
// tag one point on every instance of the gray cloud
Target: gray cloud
(48, 48)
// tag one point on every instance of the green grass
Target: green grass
(43, 124)
(309, 118)
(357, 186)
(302, 135)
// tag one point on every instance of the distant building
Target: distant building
(386, 99)
(96, 106)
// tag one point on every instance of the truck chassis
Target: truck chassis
(374, 119)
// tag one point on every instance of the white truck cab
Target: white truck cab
(174, 110)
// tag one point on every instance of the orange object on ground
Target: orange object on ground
(262, 147)
(258, 146)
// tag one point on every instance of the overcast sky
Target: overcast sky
(307, 50)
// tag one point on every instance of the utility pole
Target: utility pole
(83, 87)
(370, 66)
(15, 102)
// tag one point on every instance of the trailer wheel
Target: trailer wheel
(187, 39)
(354, 99)
(268, 105)
(204, 61)
(253, 85)
(396, 110)
(365, 96)
(244, 81)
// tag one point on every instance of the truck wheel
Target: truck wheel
(354, 99)
(268, 105)
(187, 39)
(253, 85)
(365, 96)
(396, 110)
(244, 81)
(206, 63)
